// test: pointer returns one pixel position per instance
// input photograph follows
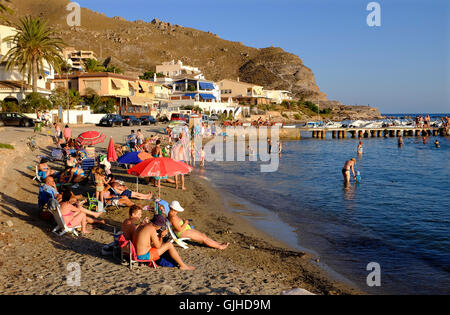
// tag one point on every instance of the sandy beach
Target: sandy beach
(34, 260)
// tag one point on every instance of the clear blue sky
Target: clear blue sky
(401, 66)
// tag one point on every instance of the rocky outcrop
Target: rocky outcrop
(276, 69)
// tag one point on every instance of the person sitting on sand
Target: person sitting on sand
(123, 190)
(183, 229)
(129, 225)
(50, 186)
(349, 166)
(148, 241)
(77, 215)
(44, 170)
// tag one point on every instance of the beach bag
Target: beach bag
(166, 261)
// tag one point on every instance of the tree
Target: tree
(148, 75)
(34, 102)
(32, 45)
(98, 104)
(92, 65)
(61, 97)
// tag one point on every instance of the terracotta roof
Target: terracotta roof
(8, 85)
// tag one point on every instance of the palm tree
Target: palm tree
(3, 7)
(33, 44)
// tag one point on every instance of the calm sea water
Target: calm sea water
(398, 216)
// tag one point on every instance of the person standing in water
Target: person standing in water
(436, 143)
(349, 166)
(400, 141)
(359, 150)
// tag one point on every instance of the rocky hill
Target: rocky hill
(139, 46)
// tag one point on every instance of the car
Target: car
(186, 117)
(16, 119)
(177, 116)
(147, 120)
(213, 117)
(131, 120)
(205, 118)
(111, 120)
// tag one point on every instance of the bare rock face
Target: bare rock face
(276, 69)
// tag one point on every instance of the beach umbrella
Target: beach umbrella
(112, 155)
(90, 138)
(134, 157)
(160, 167)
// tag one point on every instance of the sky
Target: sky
(401, 66)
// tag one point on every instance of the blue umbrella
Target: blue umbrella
(130, 158)
(134, 158)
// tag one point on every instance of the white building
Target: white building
(200, 93)
(174, 69)
(12, 85)
(278, 96)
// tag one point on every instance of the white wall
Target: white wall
(88, 117)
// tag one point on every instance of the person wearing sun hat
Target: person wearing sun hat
(183, 229)
(148, 240)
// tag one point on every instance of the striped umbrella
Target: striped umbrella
(90, 138)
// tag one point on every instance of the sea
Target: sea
(397, 217)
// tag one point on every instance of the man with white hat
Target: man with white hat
(183, 229)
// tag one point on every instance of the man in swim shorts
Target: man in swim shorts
(123, 190)
(148, 240)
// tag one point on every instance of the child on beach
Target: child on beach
(202, 157)
(100, 182)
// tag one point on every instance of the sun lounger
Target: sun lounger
(54, 207)
(127, 248)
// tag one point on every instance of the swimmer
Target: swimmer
(400, 141)
(436, 143)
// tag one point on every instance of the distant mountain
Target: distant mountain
(138, 46)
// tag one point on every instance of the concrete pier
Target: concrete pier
(341, 133)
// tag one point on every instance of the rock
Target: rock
(252, 247)
(234, 290)
(9, 223)
(92, 292)
(297, 291)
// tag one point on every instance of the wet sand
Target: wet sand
(33, 260)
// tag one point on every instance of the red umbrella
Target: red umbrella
(161, 166)
(112, 155)
(91, 138)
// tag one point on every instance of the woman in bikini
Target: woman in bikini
(183, 229)
(77, 215)
(44, 170)
(349, 167)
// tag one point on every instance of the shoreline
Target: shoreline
(253, 264)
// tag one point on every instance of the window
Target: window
(150, 89)
(96, 85)
(131, 91)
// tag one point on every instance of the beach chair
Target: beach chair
(95, 204)
(87, 165)
(37, 176)
(44, 197)
(54, 207)
(162, 207)
(127, 248)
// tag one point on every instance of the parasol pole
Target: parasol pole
(137, 183)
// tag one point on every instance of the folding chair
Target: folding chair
(162, 207)
(54, 207)
(127, 247)
(37, 176)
